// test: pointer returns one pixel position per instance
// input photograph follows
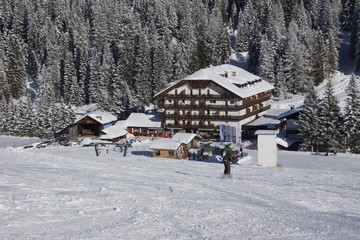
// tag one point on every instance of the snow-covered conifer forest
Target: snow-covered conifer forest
(60, 53)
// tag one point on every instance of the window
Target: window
(157, 153)
(212, 101)
(171, 153)
(176, 92)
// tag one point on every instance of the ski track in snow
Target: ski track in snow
(69, 193)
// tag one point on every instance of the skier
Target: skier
(227, 158)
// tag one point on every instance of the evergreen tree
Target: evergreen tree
(296, 65)
(318, 54)
(330, 121)
(310, 122)
(254, 49)
(159, 64)
(267, 65)
(16, 67)
(244, 27)
(348, 7)
(5, 93)
(352, 117)
(143, 65)
(356, 36)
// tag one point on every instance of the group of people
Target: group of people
(203, 152)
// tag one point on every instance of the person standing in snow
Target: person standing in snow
(227, 158)
(207, 150)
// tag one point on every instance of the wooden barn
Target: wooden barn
(91, 124)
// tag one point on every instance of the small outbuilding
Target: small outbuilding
(191, 140)
(144, 124)
(91, 124)
(114, 133)
(168, 148)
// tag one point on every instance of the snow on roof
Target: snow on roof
(165, 144)
(285, 142)
(184, 137)
(99, 116)
(266, 132)
(230, 77)
(114, 131)
(148, 120)
(271, 118)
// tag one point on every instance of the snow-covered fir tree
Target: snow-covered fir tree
(154, 42)
(352, 117)
(330, 121)
(310, 121)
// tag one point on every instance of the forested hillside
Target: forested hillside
(57, 53)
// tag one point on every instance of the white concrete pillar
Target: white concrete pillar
(267, 148)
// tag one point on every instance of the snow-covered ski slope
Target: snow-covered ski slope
(69, 193)
(340, 82)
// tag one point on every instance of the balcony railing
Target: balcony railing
(209, 117)
(201, 106)
(198, 96)
(213, 106)
(259, 100)
(200, 117)
(192, 126)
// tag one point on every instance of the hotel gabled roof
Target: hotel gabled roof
(236, 80)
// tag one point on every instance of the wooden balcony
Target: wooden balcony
(192, 126)
(200, 106)
(213, 106)
(259, 100)
(195, 117)
(212, 117)
(198, 96)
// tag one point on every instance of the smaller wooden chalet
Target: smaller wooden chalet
(174, 147)
(91, 124)
(167, 148)
(191, 140)
(144, 124)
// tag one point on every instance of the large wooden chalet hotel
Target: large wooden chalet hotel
(212, 96)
